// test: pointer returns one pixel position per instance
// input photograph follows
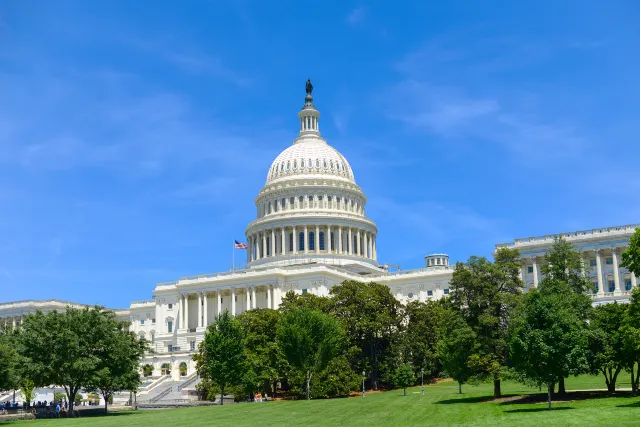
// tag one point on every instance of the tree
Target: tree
(455, 348)
(548, 339)
(261, 347)
(291, 301)
(309, 340)
(630, 334)
(62, 348)
(221, 357)
(486, 294)
(607, 346)
(8, 360)
(631, 256)
(27, 388)
(404, 377)
(425, 322)
(119, 353)
(373, 320)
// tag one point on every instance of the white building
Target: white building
(311, 233)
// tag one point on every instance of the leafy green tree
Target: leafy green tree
(261, 347)
(548, 339)
(486, 293)
(630, 334)
(563, 267)
(631, 256)
(309, 339)
(607, 347)
(291, 301)
(373, 319)
(119, 354)
(456, 347)
(404, 377)
(221, 355)
(27, 388)
(425, 322)
(62, 348)
(8, 360)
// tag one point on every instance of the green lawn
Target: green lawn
(441, 405)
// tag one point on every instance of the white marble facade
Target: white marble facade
(311, 233)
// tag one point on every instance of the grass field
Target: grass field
(441, 405)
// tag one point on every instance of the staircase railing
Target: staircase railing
(161, 395)
(190, 380)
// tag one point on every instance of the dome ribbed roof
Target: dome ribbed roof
(308, 158)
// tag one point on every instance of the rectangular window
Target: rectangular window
(304, 291)
(192, 345)
(592, 263)
(142, 321)
(153, 321)
(312, 241)
(170, 306)
(612, 286)
(221, 300)
(301, 242)
(609, 261)
(429, 293)
(446, 291)
(595, 287)
(322, 241)
(530, 269)
(170, 326)
(170, 348)
(627, 284)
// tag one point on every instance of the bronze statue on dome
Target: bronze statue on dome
(309, 87)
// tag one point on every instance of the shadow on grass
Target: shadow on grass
(476, 399)
(571, 396)
(630, 405)
(545, 409)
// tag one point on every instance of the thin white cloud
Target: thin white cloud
(356, 16)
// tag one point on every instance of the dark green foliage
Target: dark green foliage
(631, 256)
(291, 301)
(404, 377)
(221, 356)
(486, 293)
(309, 339)
(631, 339)
(373, 320)
(8, 360)
(457, 347)
(425, 323)
(606, 342)
(337, 380)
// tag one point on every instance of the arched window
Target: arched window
(330, 205)
(269, 208)
(183, 369)
(302, 163)
(331, 164)
(308, 123)
(282, 167)
(291, 202)
(312, 241)
(295, 164)
(301, 241)
(317, 163)
(288, 165)
(310, 163)
(283, 202)
(332, 241)
(165, 369)
(290, 242)
(275, 206)
(268, 246)
(321, 240)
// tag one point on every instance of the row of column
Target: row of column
(14, 321)
(599, 271)
(203, 304)
(296, 241)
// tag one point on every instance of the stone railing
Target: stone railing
(571, 235)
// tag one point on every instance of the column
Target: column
(535, 272)
(350, 243)
(358, 248)
(206, 309)
(181, 311)
(253, 298)
(219, 302)
(247, 301)
(186, 311)
(283, 241)
(375, 250)
(616, 270)
(370, 247)
(317, 239)
(199, 309)
(365, 246)
(327, 240)
(340, 239)
(233, 301)
(269, 296)
(273, 242)
(599, 273)
(264, 244)
(306, 240)
(523, 274)
(295, 241)
(249, 249)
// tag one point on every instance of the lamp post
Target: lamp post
(363, 377)
(422, 379)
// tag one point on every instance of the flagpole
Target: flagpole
(233, 256)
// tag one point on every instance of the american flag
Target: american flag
(239, 245)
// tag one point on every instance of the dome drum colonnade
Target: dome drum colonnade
(311, 206)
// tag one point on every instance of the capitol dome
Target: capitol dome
(310, 208)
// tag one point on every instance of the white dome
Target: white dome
(310, 156)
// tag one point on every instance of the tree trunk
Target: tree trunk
(635, 384)
(71, 395)
(561, 389)
(221, 395)
(496, 388)
(405, 391)
(633, 380)
(106, 404)
(308, 389)
(549, 393)
(459, 387)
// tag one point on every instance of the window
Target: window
(304, 291)
(302, 163)
(446, 291)
(609, 261)
(142, 321)
(221, 300)
(312, 241)
(170, 350)
(153, 321)
(429, 293)
(170, 306)
(170, 326)
(192, 346)
(612, 286)
(627, 284)
(291, 242)
(530, 269)
(596, 288)
(301, 241)
(321, 242)
(295, 164)
(291, 202)
(282, 203)
(592, 262)
(153, 337)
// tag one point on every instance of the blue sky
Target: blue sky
(134, 138)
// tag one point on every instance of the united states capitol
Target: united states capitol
(311, 233)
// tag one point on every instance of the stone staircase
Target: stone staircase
(169, 391)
